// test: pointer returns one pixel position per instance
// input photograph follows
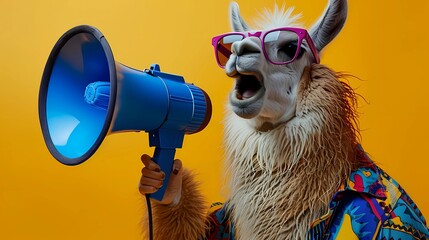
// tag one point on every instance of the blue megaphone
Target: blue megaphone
(85, 95)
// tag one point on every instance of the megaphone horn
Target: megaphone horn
(85, 95)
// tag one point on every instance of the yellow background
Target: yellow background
(384, 43)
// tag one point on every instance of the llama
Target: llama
(296, 169)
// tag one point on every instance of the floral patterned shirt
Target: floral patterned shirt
(370, 205)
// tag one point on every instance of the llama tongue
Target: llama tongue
(248, 94)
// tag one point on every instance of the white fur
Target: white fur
(279, 17)
(258, 202)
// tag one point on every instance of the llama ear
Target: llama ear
(237, 22)
(330, 24)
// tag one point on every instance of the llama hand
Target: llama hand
(153, 178)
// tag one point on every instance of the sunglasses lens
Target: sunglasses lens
(224, 45)
(281, 46)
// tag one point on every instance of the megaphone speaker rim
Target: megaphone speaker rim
(44, 89)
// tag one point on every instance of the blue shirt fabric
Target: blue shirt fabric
(370, 203)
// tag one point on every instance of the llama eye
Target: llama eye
(287, 51)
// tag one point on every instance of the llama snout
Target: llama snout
(251, 45)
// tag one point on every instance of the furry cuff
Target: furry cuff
(187, 219)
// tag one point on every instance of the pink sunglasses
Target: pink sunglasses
(288, 39)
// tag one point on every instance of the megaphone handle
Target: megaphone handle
(164, 157)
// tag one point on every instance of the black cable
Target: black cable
(149, 212)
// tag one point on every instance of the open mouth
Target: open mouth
(247, 86)
(247, 98)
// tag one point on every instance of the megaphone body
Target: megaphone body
(85, 95)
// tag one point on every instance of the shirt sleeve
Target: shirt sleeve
(404, 223)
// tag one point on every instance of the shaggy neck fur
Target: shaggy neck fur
(282, 180)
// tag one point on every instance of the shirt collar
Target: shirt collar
(366, 179)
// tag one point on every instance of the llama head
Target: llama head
(265, 94)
